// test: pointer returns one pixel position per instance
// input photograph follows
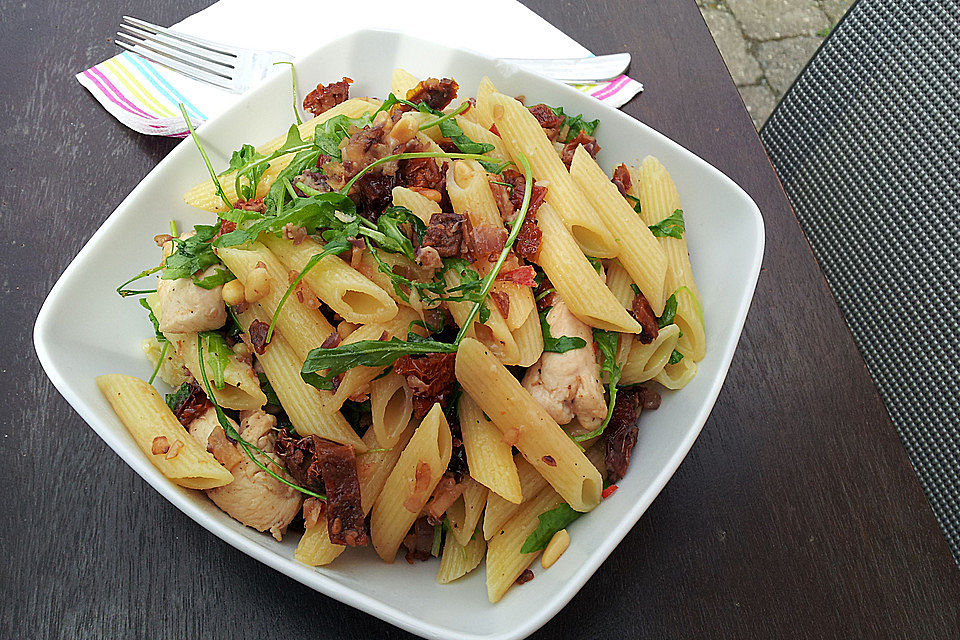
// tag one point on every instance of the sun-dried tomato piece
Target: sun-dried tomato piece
(326, 97)
(643, 313)
(549, 121)
(434, 93)
(621, 178)
(430, 377)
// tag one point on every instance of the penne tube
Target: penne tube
(521, 133)
(646, 361)
(460, 559)
(659, 199)
(574, 278)
(484, 108)
(505, 563)
(529, 339)
(677, 376)
(490, 458)
(526, 425)
(167, 445)
(464, 514)
(348, 292)
(418, 204)
(409, 485)
(204, 195)
(402, 82)
(304, 404)
(478, 133)
(499, 510)
(303, 328)
(391, 406)
(637, 249)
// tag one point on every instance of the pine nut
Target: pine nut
(555, 548)
(233, 292)
(257, 284)
(405, 129)
(462, 172)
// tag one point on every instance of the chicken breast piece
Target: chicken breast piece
(254, 498)
(568, 384)
(188, 308)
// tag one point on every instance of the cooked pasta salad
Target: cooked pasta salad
(426, 324)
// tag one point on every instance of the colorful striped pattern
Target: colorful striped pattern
(144, 96)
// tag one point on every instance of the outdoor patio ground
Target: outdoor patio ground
(766, 43)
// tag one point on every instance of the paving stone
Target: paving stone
(835, 9)
(771, 19)
(760, 102)
(726, 32)
(782, 60)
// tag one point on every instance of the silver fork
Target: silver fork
(237, 69)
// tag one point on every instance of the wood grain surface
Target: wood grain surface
(796, 514)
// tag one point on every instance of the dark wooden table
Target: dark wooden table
(796, 514)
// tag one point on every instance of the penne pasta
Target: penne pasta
(484, 108)
(464, 514)
(526, 425)
(646, 361)
(529, 339)
(459, 559)
(677, 376)
(304, 328)
(505, 563)
(499, 510)
(402, 82)
(521, 133)
(303, 403)
(391, 405)
(490, 458)
(659, 199)
(637, 249)
(575, 279)
(410, 483)
(348, 292)
(167, 445)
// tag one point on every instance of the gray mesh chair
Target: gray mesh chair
(867, 145)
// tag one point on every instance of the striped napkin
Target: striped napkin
(144, 96)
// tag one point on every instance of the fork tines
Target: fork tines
(200, 59)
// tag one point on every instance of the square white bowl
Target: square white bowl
(725, 235)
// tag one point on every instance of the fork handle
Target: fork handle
(577, 70)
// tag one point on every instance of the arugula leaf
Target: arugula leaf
(636, 202)
(396, 241)
(178, 397)
(575, 124)
(450, 129)
(133, 292)
(596, 264)
(561, 344)
(435, 287)
(550, 522)
(470, 287)
(191, 255)
(437, 538)
(675, 357)
(250, 165)
(670, 227)
(669, 312)
(607, 342)
(365, 353)
(330, 133)
(153, 320)
(635, 289)
(218, 356)
(219, 277)
(277, 194)
(320, 211)
(392, 100)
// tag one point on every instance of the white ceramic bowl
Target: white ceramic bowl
(725, 235)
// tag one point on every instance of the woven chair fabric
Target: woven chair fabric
(867, 146)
